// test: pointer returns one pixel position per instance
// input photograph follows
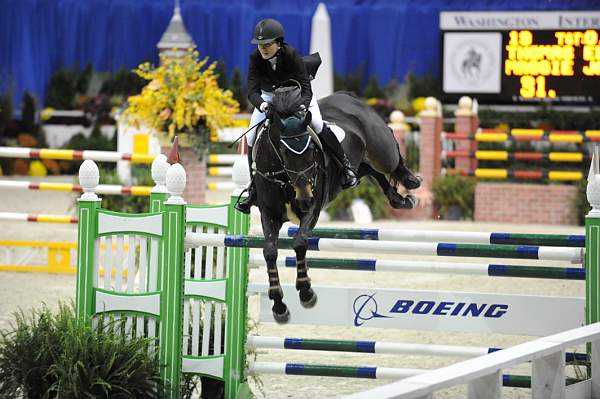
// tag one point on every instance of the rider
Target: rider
(273, 62)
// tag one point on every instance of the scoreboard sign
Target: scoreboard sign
(521, 57)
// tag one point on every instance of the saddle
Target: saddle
(298, 145)
(312, 63)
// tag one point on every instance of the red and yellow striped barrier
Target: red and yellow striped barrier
(501, 174)
(500, 155)
(37, 218)
(105, 189)
(74, 155)
(553, 136)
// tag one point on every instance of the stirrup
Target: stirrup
(244, 205)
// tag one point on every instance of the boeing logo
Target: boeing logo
(365, 308)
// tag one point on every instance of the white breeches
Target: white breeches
(257, 116)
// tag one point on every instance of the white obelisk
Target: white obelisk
(320, 41)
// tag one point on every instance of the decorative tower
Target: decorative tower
(176, 40)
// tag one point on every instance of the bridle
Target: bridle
(286, 177)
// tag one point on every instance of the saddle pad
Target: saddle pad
(297, 144)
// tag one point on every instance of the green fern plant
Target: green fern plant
(454, 190)
(369, 191)
(46, 355)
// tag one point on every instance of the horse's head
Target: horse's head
(289, 133)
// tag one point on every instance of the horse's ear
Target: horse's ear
(307, 119)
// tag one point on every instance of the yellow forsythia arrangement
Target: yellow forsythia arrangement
(181, 93)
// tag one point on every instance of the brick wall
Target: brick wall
(525, 203)
(429, 168)
(195, 170)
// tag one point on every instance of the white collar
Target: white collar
(273, 62)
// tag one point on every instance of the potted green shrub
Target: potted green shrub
(46, 355)
(455, 196)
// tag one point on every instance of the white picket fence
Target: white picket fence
(483, 375)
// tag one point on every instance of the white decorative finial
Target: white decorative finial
(431, 107)
(159, 173)
(396, 117)
(465, 107)
(89, 177)
(176, 181)
(593, 185)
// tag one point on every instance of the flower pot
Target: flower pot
(454, 212)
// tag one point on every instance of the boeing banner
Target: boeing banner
(432, 310)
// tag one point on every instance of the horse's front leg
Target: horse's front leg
(271, 227)
(308, 298)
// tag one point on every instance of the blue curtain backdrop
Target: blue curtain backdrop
(389, 37)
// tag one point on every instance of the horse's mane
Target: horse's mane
(287, 100)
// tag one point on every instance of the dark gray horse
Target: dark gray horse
(296, 179)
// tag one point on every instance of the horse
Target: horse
(471, 66)
(295, 178)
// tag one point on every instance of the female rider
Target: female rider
(272, 63)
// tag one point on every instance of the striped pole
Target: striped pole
(526, 135)
(483, 269)
(574, 255)
(517, 156)
(220, 185)
(326, 370)
(388, 348)
(493, 173)
(222, 159)
(105, 189)
(74, 155)
(219, 171)
(552, 240)
(39, 218)
(323, 370)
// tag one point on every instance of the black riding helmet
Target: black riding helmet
(267, 31)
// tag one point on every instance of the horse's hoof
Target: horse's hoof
(412, 200)
(411, 182)
(282, 318)
(406, 202)
(308, 298)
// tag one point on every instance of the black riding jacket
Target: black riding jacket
(261, 75)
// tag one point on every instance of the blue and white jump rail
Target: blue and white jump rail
(574, 255)
(465, 237)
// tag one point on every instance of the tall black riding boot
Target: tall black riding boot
(335, 148)
(245, 204)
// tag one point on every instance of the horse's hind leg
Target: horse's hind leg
(396, 200)
(281, 313)
(405, 176)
